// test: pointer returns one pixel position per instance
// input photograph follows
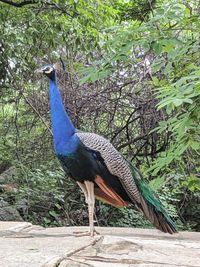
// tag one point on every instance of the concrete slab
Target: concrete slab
(25, 245)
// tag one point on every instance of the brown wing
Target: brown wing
(107, 194)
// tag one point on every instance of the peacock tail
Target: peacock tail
(151, 206)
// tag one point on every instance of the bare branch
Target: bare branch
(45, 3)
(141, 137)
(21, 4)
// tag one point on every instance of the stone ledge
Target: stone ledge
(26, 245)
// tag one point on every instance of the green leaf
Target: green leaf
(157, 183)
(84, 80)
(195, 145)
(192, 183)
(178, 102)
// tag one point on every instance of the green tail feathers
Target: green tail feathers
(152, 207)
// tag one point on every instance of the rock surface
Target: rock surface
(8, 212)
(25, 245)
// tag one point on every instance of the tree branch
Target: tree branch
(46, 3)
(132, 141)
(21, 4)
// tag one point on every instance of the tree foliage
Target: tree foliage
(132, 75)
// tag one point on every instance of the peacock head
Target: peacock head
(48, 70)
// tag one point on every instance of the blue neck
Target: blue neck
(65, 142)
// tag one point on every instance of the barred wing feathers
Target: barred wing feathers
(114, 161)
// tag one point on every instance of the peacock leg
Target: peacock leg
(84, 190)
(89, 187)
(91, 200)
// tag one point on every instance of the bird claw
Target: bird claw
(85, 233)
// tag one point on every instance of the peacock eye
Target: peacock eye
(47, 69)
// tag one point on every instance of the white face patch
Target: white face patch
(47, 70)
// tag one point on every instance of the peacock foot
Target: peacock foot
(85, 233)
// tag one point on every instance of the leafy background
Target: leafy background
(132, 75)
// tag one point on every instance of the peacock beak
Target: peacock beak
(39, 71)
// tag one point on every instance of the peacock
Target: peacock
(98, 168)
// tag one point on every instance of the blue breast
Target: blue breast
(64, 148)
